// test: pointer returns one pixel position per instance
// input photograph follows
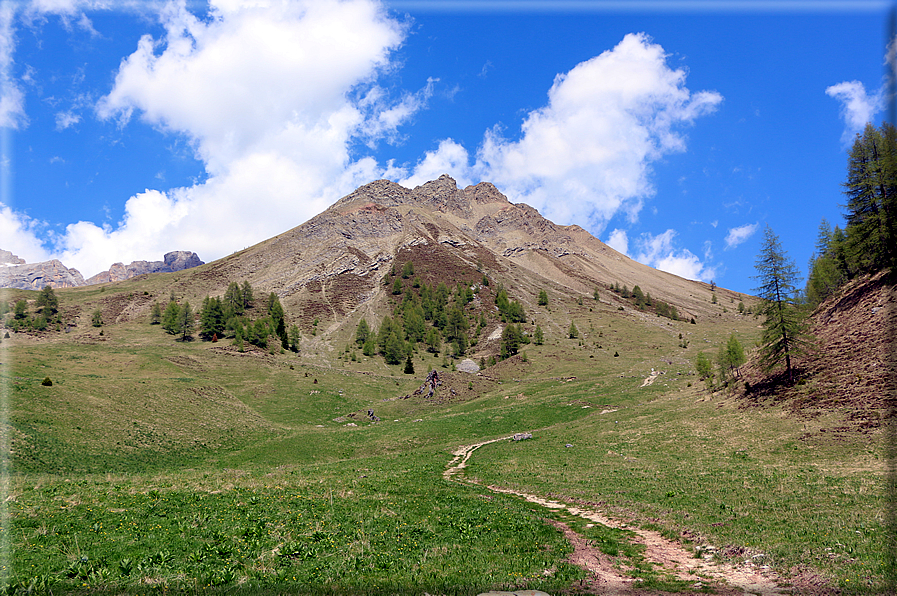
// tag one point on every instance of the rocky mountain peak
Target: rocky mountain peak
(16, 273)
(7, 258)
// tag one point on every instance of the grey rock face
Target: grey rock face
(37, 275)
(15, 273)
(174, 261)
(7, 258)
(181, 259)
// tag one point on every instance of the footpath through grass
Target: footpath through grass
(753, 483)
(185, 468)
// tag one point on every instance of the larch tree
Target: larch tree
(871, 190)
(185, 322)
(784, 330)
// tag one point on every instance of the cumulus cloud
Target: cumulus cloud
(449, 157)
(270, 98)
(740, 234)
(66, 119)
(20, 235)
(857, 106)
(661, 253)
(619, 241)
(586, 155)
(12, 99)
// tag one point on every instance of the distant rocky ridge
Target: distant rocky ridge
(16, 273)
(174, 261)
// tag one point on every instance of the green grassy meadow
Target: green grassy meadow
(156, 466)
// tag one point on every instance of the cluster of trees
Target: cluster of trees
(435, 318)
(643, 301)
(868, 243)
(228, 317)
(46, 312)
(426, 315)
(729, 358)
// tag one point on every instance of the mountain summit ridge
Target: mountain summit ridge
(334, 263)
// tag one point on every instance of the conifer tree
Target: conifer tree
(362, 332)
(704, 367)
(48, 301)
(826, 273)
(247, 294)
(21, 309)
(784, 331)
(433, 340)
(155, 313)
(294, 337)
(233, 303)
(185, 323)
(211, 318)
(871, 190)
(511, 338)
(170, 318)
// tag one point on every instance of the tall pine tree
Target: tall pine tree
(871, 190)
(784, 331)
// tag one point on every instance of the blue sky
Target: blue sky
(674, 131)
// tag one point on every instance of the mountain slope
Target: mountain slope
(850, 368)
(334, 263)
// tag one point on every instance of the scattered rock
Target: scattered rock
(469, 366)
(429, 385)
(522, 436)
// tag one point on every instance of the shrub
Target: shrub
(47, 382)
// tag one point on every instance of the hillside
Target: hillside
(850, 368)
(143, 462)
(331, 268)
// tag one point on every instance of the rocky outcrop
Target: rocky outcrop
(37, 275)
(174, 261)
(7, 258)
(15, 273)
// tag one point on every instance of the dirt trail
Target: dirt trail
(649, 380)
(668, 556)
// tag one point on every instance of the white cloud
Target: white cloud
(449, 158)
(857, 107)
(661, 253)
(586, 156)
(619, 241)
(12, 99)
(19, 234)
(66, 119)
(740, 234)
(270, 98)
